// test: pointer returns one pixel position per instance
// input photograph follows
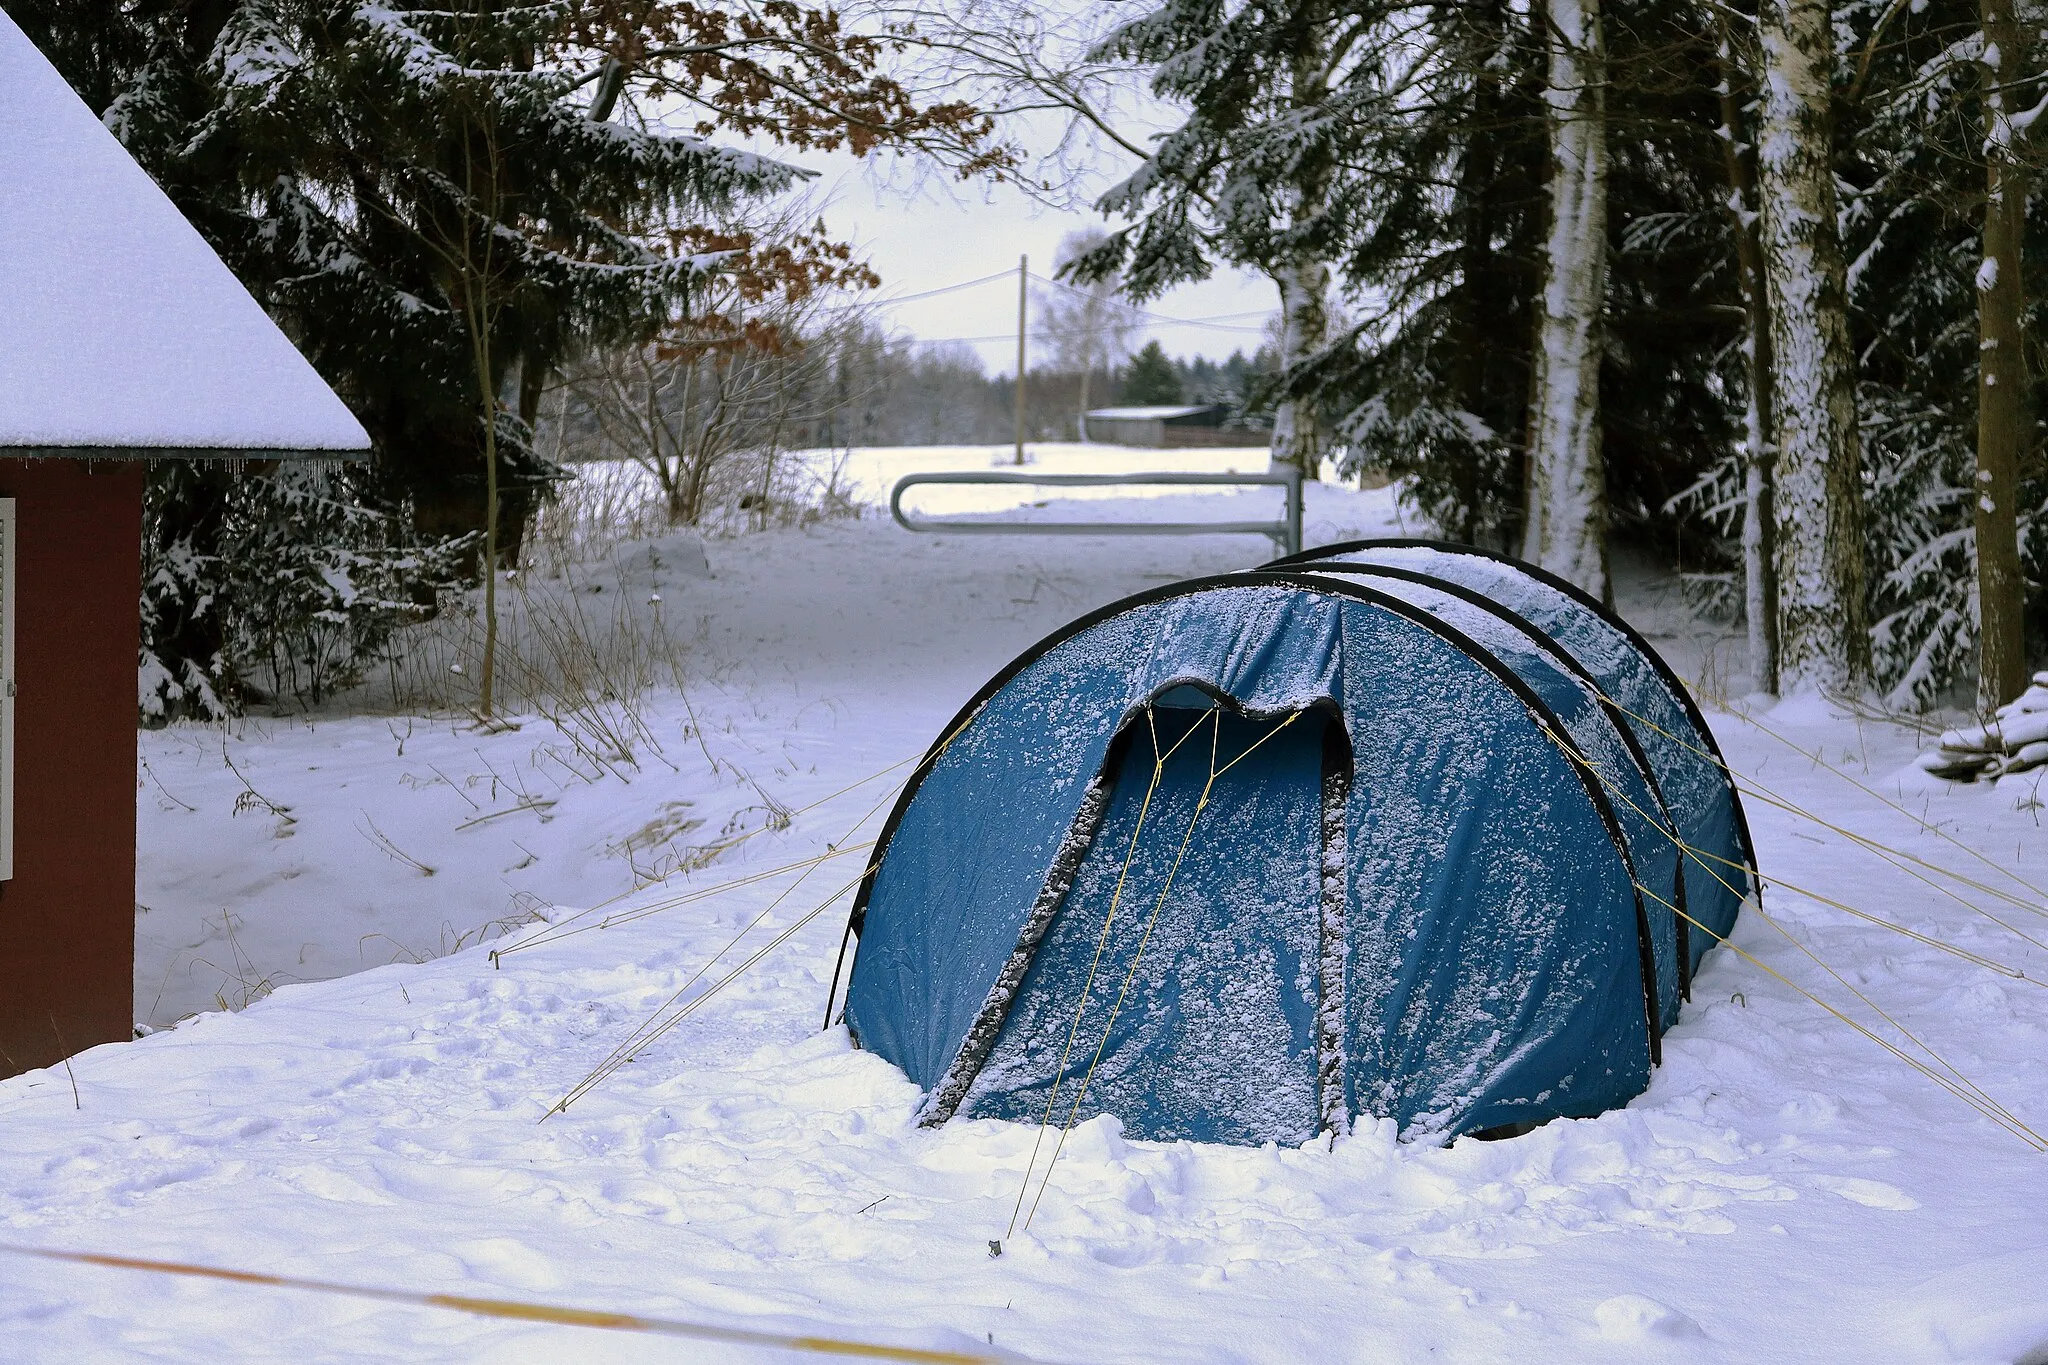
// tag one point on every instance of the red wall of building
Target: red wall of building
(67, 919)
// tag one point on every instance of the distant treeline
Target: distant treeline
(859, 388)
(939, 395)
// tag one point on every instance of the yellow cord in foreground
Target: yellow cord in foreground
(518, 1311)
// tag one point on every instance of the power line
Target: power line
(1215, 322)
(943, 289)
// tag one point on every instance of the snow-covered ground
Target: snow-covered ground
(280, 851)
(1787, 1189)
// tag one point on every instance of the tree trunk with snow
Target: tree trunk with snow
(1304, 320)
(2002, 380)
(1823, 637)
(1304, 281)
(1759, 552)
(1566, 530)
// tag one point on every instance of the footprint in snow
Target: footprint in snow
(1632, 1317)
(1871, 1194)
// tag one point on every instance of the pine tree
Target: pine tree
(1913, 160)
(1450, 220)
(1251, 177)
(1434, 386)
(346, 158)
(1151, 378)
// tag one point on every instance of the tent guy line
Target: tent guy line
(654, 1026)
(560, 929)
(1961, 1086)
(1109, 1027)
(1893, 858)
(1902, 861)
(1989, 1108)
(526, 1310)
(1088, 983)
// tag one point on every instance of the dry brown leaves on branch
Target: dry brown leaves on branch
(789, 72)
(783, 270)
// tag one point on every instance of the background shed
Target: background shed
(1194, 424)
(124, 340)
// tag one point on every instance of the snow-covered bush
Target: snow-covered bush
(275, 587)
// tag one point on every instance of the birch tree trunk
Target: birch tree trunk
(1566, 530)
(1759, 549)
(1823, 635)
(1304, 282)
(2002, 380)
(1304, 320)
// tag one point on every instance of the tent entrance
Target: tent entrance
(1180, 981)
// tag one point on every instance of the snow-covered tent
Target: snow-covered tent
(123, 338)
(1391, 830)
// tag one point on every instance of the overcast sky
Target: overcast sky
(922, 230)
(943, 234)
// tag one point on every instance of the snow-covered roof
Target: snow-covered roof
(1154, 414)
(120, 330)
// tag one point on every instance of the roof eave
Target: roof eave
(142, 452)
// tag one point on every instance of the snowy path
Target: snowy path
(1785, 1190)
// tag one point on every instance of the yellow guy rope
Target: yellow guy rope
(1962, 1087)
(1088, 984)
(655, 1027)
(518, 1310)
(1754, 787)
(690, 897)
(1921, 821)
(1908, 864)
(1702, 856)
(1201, 803)
(561, 928)
(1895, 858)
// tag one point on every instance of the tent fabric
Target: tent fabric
(1621, 766)
(1232, 970)
(1648, 697)
(1239, 859)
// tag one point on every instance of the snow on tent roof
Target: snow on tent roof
(1453, 893)
(1150, 414)
(122, 332)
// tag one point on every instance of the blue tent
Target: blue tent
(1393, 829)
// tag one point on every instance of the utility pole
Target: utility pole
(1023, 273)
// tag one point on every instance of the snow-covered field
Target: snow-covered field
(1786, 1190)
